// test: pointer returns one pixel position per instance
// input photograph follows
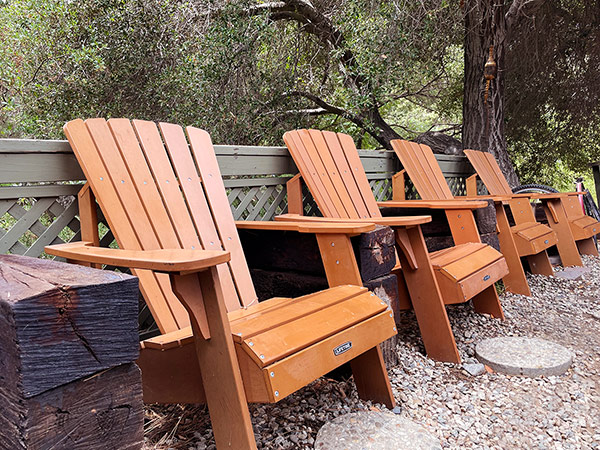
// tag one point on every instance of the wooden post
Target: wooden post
(68, 339)
(294, 193)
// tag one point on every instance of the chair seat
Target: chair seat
(584, 227)
(465, 270)
(271, 339)
(533, 237)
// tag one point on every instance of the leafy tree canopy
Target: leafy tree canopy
(249, 70)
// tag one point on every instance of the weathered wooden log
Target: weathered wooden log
(61, 322)
(386, 288)
(298, 252)
(104, 411)
(375, 253)
(282, 251)
(486, 218)
(435, 243)
(269, 283)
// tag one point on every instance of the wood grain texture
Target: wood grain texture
(84, 318)
(375, 252)
(100, 412)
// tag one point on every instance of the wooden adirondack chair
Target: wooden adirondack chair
(330, 166)
(573, 228)
(166, 204)
(527, 238)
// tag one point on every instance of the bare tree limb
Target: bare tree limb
(521, 8)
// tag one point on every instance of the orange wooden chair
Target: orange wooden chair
(330, 166)
(162, 194)
(527, 238)
(573, 228)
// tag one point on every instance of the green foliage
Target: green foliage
(229, 71)
(62, 60)
(233, 71)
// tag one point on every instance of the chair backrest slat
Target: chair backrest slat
(423, 169)
(358, 171)
(346, 173)
(331, 168)
(147, 183)
(210, 174)
(489, 171)
(190, 193)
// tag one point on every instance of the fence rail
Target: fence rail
(39, 179)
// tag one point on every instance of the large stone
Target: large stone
(531, 357)
(572, 273)
(374, 430)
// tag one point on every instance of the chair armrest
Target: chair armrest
(385, 221)
(329, 227)
(168, 260)
(434, 204)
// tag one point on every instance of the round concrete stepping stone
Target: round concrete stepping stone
(374, 430)
(531, 357)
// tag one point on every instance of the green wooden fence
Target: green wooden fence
(40, 178)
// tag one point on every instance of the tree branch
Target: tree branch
(327, 107)
(521, 8)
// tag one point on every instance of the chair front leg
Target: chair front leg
(515, 281)
(425, 295)
(462, 226)
(202, 296)
(370, 373)
(559, 222)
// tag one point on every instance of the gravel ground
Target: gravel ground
(489, 411)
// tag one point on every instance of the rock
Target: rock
(524, 356)
(474, 369)
(374, 430)
(572, 273)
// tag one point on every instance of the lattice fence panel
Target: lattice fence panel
(27, 225)
(382, 189)
(309, 204)
(457, 185)
(481, 189)
(410, 192)
(257, 202)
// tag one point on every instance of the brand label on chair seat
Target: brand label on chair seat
(342, 348)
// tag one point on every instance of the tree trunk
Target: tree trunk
(483, 125)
